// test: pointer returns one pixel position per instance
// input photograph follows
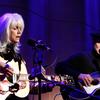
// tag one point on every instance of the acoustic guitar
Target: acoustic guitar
(10, 85)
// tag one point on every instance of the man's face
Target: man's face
(97, 47)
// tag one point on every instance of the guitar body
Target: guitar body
(5, 83)
(95, 85)
(92, 89)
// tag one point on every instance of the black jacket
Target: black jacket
(80, 63)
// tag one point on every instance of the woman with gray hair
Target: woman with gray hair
(12, 66)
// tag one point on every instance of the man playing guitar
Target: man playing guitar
(84, 68)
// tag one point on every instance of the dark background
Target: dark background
(65, 25)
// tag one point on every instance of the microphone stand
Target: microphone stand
(37, 63)
(38, 47)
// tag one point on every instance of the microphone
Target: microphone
(31, 42)
(38, 44)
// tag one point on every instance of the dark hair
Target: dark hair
(95, 37)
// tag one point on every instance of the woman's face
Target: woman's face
(15, 33)
(97, 47)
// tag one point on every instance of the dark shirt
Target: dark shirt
(85, 63)
(79, 63)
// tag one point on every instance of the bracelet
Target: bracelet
(6, 66)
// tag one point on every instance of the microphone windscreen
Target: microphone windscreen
(31, 42)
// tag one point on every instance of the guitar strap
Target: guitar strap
(96, 63)
(19, 65)
(18, 58)
(96, 60)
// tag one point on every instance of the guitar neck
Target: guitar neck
(57, 79)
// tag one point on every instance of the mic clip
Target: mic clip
(38, 44)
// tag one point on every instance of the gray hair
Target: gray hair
(6, 21)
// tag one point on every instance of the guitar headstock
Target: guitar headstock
(60, 79)
(50, 81)
(67, 80)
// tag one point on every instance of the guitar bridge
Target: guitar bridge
(14, 88)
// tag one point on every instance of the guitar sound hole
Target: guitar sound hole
(95, 82)
(10, 79)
